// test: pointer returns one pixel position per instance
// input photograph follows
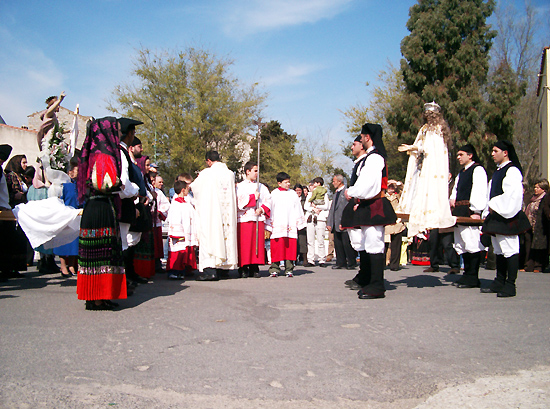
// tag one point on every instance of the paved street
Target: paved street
(302, 342)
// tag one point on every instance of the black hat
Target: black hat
(469, 148)
(127, 124)
(136, 141)
(5, 151)
(358, 139)
(375, 133)
(512, 155)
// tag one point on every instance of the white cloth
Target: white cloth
(425, 194)
(467, 239)
(48, 222)
(505, 245)
(128, 189)
(244, 190)
(163, 205)
(216, 204)
(508, 204)
(129, 238)
(367, 238)
(181, 225)
(287, 216)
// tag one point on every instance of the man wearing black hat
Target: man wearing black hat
(366, 214)
(505, 219)
(136, 148)
(132, 187)
(469, 199)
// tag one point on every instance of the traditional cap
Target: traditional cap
(432, 106)
(375, 133)
(512, 155)
(127, 124)
(469, 148)
(136, 141)
(5, 151)
(358, 139)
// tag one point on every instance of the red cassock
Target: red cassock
(283, 248)
(246, 243)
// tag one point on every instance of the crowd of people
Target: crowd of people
(216, 225)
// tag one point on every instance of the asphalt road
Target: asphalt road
(302, 342)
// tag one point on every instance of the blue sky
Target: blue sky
(313, 57)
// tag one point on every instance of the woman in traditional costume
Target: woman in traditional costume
(101, 275)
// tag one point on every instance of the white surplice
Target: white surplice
(426, 192)
(182, 226)
(287, 216)
(216, 205)
(245, 213)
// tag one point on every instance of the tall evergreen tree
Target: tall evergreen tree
(277, 154)
(446, 59)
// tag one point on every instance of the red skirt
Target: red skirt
(182, 260)
(246, 243)
(283, 248)
(102, 286)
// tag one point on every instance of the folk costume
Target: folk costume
(425, 195)
(216, 205)
(101, 266)
(182, 236)
(366, 215)
(470, 196)
(286, 219)
(250, 256)
(505, 221)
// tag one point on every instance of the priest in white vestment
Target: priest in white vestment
(426, 193)
(216, 205)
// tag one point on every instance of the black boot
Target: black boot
(376, 285)
(208, 274)
(509, 288)
(470, 278)
(131, 274)
(243, 272)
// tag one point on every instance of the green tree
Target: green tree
(446, 59)
(277, 154)
(196, 104)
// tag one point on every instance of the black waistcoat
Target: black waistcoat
(464, 191)
(498, 177)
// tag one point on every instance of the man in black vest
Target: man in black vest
(132, 184)
(505, 219)
(366, 214)
(469, 199)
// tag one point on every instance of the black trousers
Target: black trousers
(395, 244)
(346, 256)
(441, 245)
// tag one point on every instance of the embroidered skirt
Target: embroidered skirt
(101, 265)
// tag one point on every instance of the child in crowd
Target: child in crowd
(319, 192)
(286, 219)
(182, 233)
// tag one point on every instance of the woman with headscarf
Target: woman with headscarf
(101, 275)
(536, 240)
(15, 178)
(13, 243)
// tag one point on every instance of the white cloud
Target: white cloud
(250, 16)
(290, 75)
